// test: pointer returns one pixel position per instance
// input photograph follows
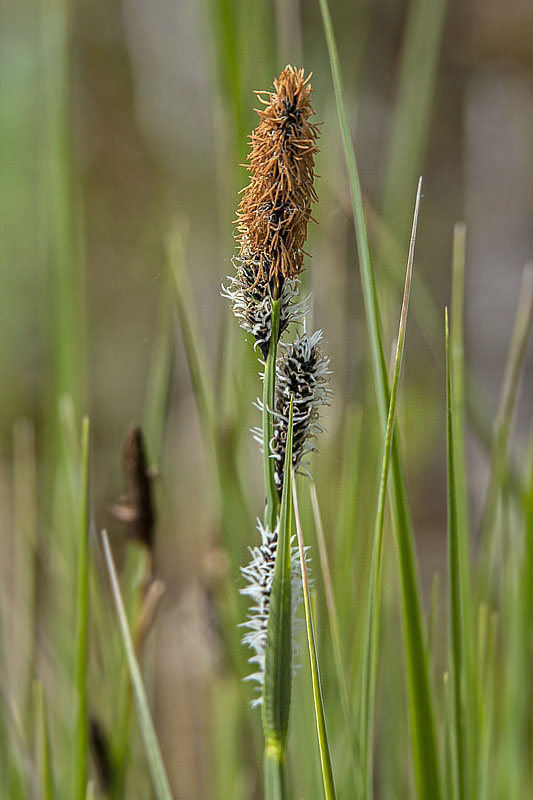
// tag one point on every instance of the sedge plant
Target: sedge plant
(272, 221)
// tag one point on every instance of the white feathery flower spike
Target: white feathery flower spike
(252, 302)
(259, 574)
(303, 373)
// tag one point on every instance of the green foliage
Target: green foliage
(426, 760)
(403, 695)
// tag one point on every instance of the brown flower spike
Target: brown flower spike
(275, 208)
(137, 508)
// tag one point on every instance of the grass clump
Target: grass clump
(366, 687)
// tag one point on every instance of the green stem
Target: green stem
(278, 647)
(81, 736)
(269, 388)
(275, 785)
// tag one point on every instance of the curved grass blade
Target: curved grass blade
(278, 649)
(153, 753)
(81, 736)
(426, 758)
(371, 640)
(323, 746)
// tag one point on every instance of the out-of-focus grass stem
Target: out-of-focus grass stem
(81, 736)
(504, 420)
(42, 739)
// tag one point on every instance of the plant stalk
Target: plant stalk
(269, 389)
(275, 784)
(278, 649)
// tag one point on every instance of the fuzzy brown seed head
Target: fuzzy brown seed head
(137, 507)
(275, 208)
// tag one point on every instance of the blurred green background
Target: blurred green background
(120, 122)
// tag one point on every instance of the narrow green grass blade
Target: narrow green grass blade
(350, 488)
(415, 98)
(457, 367)
(457, 373)
(486, 728)
(333, 623)
(449, 742)
(158, 383)
(515, 692)
(234, 507)
(367, 276)
(278, 648)
(136, 570)
(44, 756)
(60, 205)
(504, 419)
(225, 14)
(481, 425)
(201, 383)
(527, 576)
(371, 639)
(427, 315)
(26, 571)
(425, 753)
(482, 633)
(269, 390)
(16, 767)
(153, 753)
(432, 620)
(412, 114)
(425, 310)
(456, 610)
(323, 745)
(81, 734)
